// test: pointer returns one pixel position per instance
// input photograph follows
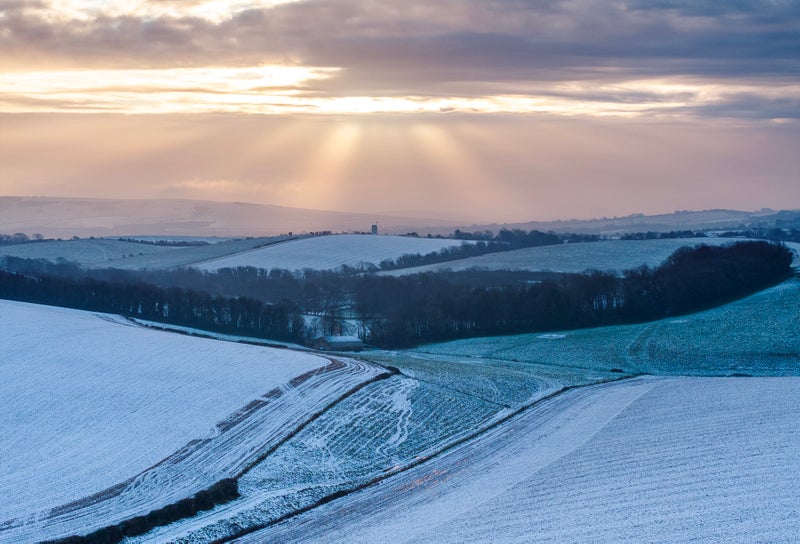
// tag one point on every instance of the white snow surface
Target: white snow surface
(608, 255)
(641, 460)
(330, 252)
(88, 401)
(383, 428)
(88, 252)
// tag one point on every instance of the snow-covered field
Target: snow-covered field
(642, 460)
(110, 253)
(89, 401)
(383, 428)
(757, 335)
(612, 255)
(88, 252)
(330, 252)
(189, 256)
(103, 420)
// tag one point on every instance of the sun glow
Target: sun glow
(279, 89)
(181, 90)
(453, 164)
(325, 174)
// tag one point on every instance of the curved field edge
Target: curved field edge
(219, 493)
(386, 429)
(89, 400)
(429, 457)
(656, 459)
(243, 439)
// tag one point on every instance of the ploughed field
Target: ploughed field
(650, 459)
(667, 458)
(379, 431)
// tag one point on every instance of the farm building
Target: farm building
(338, 343)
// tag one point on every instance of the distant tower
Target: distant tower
(375, 229)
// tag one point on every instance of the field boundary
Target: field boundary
(267, 244)
(219, 492)
(442, 450)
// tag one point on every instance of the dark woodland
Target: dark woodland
(407, 310)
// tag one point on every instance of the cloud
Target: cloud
(751, 106)
(448, 49)
(758, 9)
(498, 36)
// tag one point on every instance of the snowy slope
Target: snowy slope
(88, 252)
(89, 402)
(188, 256)
(329, 252)
(612, 255)
(643, 460)
(381, 429)
(757, 335)
(109, 253)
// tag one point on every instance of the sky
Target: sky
(487, 110)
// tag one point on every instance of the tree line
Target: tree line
(407, 310)
(432, 307)
(220, 493)
(186, 307)
(19, 238)
(484, 242)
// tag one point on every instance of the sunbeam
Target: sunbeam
(323, 180)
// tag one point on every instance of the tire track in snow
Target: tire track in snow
(401, 404)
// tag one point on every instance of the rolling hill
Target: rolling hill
(289, 252)
(756, 335)
(67, 217)
(547, 436)
(607, 255)
(142, 419)
(643, 460)
(330, 252)
(84, 217)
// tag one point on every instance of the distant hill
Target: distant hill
(679, 220)
(67, 217)
(83, 217)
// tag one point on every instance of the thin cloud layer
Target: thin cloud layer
(580, 57)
